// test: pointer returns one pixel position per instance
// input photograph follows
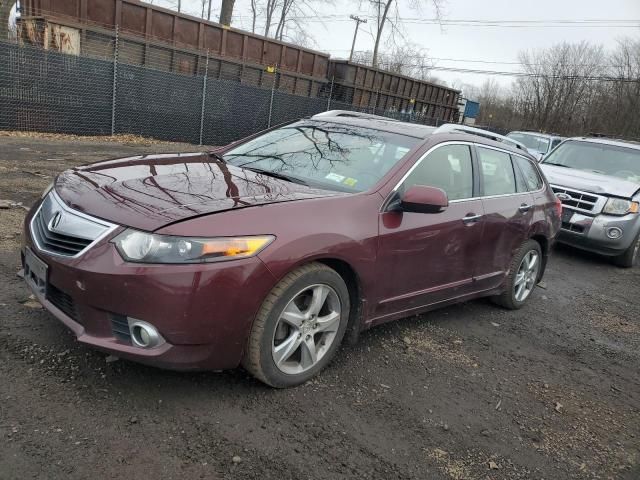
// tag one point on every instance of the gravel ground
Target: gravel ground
(469, 392)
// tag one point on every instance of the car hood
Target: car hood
(589, 182)
(151, 191)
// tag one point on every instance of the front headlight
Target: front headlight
(619, 206)
(137, 246)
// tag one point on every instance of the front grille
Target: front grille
(584, 202)
(572, 227)
(120, 328)
(62, 301)
(56, 242)
(60, 230)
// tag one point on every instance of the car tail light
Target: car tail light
(559, 207)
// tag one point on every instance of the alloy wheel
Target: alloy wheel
(306, 329)
(527, 276)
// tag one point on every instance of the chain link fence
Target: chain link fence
(103, 85)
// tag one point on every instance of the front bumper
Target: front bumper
(590, 232)
(203, 311)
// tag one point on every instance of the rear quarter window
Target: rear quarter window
(530, 175)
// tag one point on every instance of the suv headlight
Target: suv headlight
(142, 247)
(619, 206)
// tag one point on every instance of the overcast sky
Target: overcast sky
(483, 44)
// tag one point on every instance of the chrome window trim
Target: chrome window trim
(519, 155)
(479, 197)
(110, 227)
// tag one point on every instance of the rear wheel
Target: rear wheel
(631, 257)
(299, 327)
(523, 276)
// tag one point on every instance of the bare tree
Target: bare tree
(254, 14)
(408, 59)
(5, 10)
(383, 16)
(556, 89)
(226, 11)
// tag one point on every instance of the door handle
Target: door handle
(525, 207)
(471, 218)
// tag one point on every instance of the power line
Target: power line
(388, 56)
(598, 78)
(601, 23)
(587, 23)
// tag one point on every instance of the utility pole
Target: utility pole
(358, 21)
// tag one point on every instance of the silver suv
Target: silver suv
(538, 144)
(598, 182)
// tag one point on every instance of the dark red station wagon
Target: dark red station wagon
(267, 252)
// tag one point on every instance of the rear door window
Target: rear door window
(497, 172)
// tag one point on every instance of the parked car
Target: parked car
(266, 252)
(538, 144)
(598, 182)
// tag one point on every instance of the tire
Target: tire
(631, 257)
(509, 298)
(294, 297)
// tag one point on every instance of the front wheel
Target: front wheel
(299, 327)
(524, 273)
(631, 257)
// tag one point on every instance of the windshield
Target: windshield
(324, 154)
(533, 142)
(611, 160)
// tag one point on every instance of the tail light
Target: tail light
(558, 207)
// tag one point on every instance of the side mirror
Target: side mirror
(423, 199)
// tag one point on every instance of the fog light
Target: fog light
(144, 334)
(614, 233)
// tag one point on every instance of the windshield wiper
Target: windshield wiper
(555, 164)
(278, 175)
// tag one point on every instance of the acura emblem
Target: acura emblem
(55, 220)
(563, 196)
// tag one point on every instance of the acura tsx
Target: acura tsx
(266, 253)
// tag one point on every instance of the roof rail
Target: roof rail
(352, 114)
(454, 127)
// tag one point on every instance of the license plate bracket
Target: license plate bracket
(35, 272)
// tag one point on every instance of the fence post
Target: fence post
(115, 82)
(273, 90)
(375, 103)
(204, 95)
(330, 94)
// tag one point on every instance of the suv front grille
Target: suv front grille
(59, 230)
(584, 202)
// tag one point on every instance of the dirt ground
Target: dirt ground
(469, 392)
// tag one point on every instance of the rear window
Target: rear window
(533, 142)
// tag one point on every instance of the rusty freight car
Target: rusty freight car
(163, 39)
(371, 88)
